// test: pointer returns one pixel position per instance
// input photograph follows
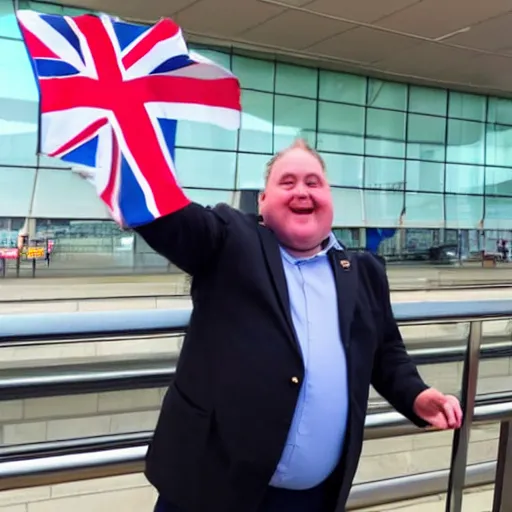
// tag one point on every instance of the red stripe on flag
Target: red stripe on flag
(36, 47)
(222, 92)
(164, 29)
(108, 194)
(81, 137)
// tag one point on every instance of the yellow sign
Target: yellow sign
(34, 253)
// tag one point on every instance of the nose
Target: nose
(301, 190)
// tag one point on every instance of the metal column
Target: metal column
(503, 484)
(461, 437)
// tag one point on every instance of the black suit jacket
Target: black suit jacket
(225, 418)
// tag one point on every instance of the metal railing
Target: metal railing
(71, 460)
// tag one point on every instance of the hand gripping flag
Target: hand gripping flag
(111, 95)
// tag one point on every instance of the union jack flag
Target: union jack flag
(111, 95)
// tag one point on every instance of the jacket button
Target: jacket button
(295, 380)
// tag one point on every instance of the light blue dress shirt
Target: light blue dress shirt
(317, 433)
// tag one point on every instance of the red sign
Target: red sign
(9, 253)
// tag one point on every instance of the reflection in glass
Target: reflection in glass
(498, 181)
(294, 117)
(16, 186)
(498, 212)
(424, 176)
(427, 100)
(462, 105)
(424, 210)
(348, 207)
(60, 192)
(464, 212)
(251, 171)
(426, 137)
(342, 87)
(383, 94)
(384, 173)
(205, 169)
(257, 122)
(464, 179)
(344, 170)
(205, 135)
(499, 145)
(385, 133)
(210, 197)
(254, 73)
(383, 209)
(499, 111)
(296, 80)
(466, 142)
(340, 128)
(8, 24)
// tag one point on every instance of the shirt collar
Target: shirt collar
(329, 243)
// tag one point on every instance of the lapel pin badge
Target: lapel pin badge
(345, 264)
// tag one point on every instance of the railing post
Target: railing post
(503, 484)
(461, 437)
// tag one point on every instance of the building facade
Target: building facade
(433, 166)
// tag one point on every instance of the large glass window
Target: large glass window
(340, 128)
(424, 210)
(464, 212)
(296, 80)
(499, 145)
(251, 171)
(18, 106)
(499, 111)
(426, 137)
(498, 181)
(293, 118)
(257, 122)
(498, 212)
(424, 176)
(342, 88)
(384, 173)
(254, 73)
(348, 207)
(344, 170)
(383, 208)
(383, 94)
(8, 24)
(466, 142)
(464, 179)
(64, 194)
(16, 187)
(427, 100)
(385, 133)
(205, 169)
(467, 106)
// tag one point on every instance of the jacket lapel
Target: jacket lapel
(345, 274)
(276, 269)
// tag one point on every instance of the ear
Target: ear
(261, 197)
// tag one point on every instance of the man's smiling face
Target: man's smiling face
(296, 203)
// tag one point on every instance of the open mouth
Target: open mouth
(302, 211)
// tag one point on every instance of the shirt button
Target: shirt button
(295, 380)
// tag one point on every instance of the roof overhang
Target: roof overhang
(462, 44)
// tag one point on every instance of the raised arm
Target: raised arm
(191, 237)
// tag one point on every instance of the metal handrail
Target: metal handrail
(71, 460)
(111, 323)
(60, 380)
(90, 464)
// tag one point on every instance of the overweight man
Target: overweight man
(288, 330)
